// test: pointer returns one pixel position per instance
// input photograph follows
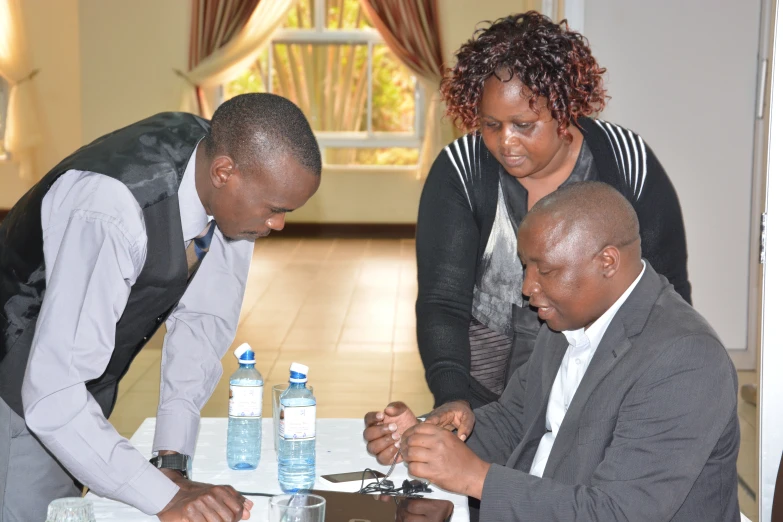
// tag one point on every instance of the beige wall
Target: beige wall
(357, 196)
(53, 35)
(460, 17)
(128, 50)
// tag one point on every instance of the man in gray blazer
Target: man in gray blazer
(627, 407)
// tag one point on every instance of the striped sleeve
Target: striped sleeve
(630, 153)
(464, 156)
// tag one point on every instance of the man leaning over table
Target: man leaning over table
(108, 246)
(626, 409)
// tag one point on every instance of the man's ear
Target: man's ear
(221, 169)
(609, 258)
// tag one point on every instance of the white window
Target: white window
(363, 104)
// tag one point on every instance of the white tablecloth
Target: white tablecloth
(339, 449)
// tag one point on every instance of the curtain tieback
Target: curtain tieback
(185, 77)
(27, 78)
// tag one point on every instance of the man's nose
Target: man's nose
(276, 222)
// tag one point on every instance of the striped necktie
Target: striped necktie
(199, 247)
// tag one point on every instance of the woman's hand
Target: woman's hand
(383, 431)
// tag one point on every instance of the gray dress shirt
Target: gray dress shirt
(95, 245)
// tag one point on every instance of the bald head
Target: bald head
(581, 250)
(590, 216)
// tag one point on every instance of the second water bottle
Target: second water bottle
(296, 447)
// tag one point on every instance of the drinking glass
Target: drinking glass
(300, 507)
(72, 509)
(277, 391)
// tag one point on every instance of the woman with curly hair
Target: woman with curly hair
(524, 89)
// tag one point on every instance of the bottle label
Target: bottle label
(244, 401)
(297, 422)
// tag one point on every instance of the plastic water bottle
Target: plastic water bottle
(246, 390)
(296, 447)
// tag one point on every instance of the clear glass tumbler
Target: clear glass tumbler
(277, 391)
(300, 507)
(71, 509)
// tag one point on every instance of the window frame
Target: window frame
(321, 35)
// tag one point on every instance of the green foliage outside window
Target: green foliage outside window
(329, 83)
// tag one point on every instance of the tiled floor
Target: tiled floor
(346, 309)
(343, 307)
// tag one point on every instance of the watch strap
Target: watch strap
(175, 461)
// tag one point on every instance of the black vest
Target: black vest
(149, 157)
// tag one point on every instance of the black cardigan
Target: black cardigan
(456, 214)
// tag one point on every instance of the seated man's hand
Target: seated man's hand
(455, 415)
(383, 430)
(196, 502)
(436, 454)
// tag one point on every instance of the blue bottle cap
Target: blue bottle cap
(299, 372)
(244, 353)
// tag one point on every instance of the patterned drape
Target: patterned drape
(411, 29)
(225, 41)
(213, 24)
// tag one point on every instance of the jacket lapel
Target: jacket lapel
(549, 371)
(613, 346)
(616, 342)
(554, 350)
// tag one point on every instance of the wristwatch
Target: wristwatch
(175, 461)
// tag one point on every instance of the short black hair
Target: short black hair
(261, 123)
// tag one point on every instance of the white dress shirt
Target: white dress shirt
(95, 245)
(581, 348)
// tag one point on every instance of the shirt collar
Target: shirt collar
(596, 331)
(191, 212)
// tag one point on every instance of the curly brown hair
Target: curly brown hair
(548, 58)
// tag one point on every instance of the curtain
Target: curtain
(411, 30)
(22, 132)
(226, 36)
(213, 24)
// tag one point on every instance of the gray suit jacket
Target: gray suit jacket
(652, 433)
